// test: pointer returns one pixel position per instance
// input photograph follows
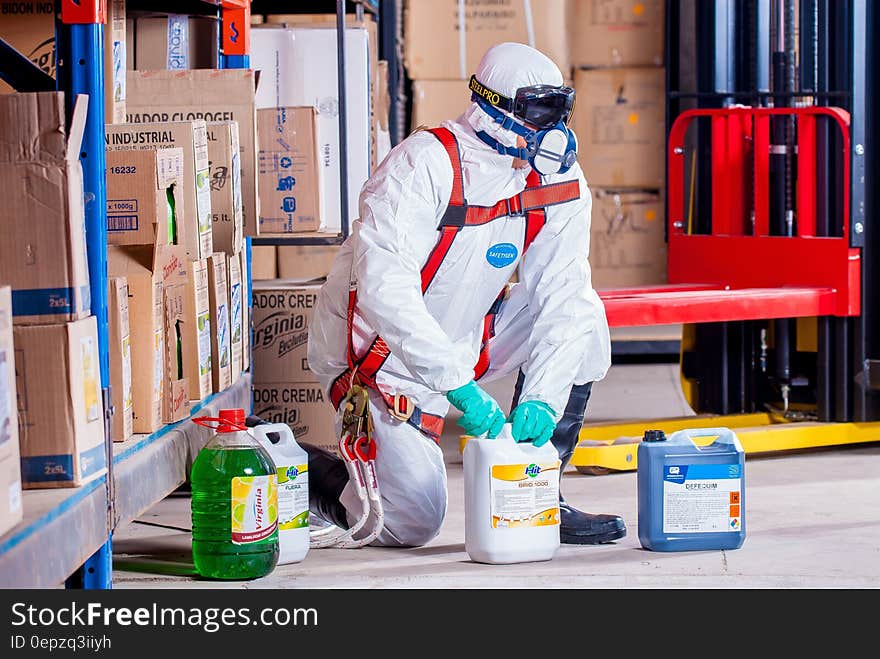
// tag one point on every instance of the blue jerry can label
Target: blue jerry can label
(702, 498)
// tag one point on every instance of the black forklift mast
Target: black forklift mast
(782, 53)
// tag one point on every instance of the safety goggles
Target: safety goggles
(542, 106)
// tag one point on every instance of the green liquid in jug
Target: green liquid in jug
(234, 511)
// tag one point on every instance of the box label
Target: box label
(177, 54)
(223, 334)
(235, 312)
(204, 325)
(52, 468)
(91, 381)
(702, 498)
(254, 508)
(50, 301)
(524, 495)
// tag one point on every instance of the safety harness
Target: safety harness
(531, 202)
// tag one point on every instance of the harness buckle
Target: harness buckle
(514, 209)
(403, 408)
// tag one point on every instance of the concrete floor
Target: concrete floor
(813, 521)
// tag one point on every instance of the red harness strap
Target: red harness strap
(531, 202)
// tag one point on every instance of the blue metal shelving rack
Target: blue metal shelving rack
(67, 535)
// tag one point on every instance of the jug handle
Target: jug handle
(283, 430)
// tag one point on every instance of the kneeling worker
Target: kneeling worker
(444, 222)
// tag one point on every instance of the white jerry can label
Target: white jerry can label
(702, 498)
(524, 495)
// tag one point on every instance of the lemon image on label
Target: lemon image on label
(238, 513)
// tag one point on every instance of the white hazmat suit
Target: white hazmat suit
(551, 325)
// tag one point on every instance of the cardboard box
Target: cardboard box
(175, 401)
(60, 412)
(617, 33)
(129, 41)
(211, 95)
(304, 407)
(298, 67)
(434, 101)
(43, 251)
(431, 38)
(175, 41)
(246, 326)
(145, 203)
(120, 359)
(282, 313)
(218, 295)
(351, 20)
(627, 244)
(306, 262)
(29, 27)
(224, 155)
(196, 331)
(620, 122)
(10, 470)
(264, 264)
(192, 137)
(290, 177)
(148, 270)
(236, 329)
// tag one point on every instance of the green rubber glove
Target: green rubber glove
(480, 413)
(533, 421)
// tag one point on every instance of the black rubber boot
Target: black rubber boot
(577, 527)
(327, 478)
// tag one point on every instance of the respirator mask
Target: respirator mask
(551, 147)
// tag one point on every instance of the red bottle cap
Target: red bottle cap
(231, 420)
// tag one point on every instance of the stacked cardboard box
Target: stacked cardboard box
(439, 62)
(10, 469)
(29, 27)
(617, 49)
(285, 390)
(298, 65)
(173, 41)
(58, 388)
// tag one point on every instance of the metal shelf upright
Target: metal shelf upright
(67, 533)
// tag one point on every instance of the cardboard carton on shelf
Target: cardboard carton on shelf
(43, 251)
(264, 264)
(236, 328)
(218, 297)
(120, 359)
(148, 271)
(209, 95)
(192, 138)
(301, 405)
(298, 67)
(438, 100)
(620, 122)
(224, 155)
(306, 262)
(145, 197)
(627, 243)
(617, 33)
(433, 50)
(175, 41)
(11, 509)
(175, 401)
(196, 332)
(60, 411)
(245, 313)
(29, 27)
(282, 313)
